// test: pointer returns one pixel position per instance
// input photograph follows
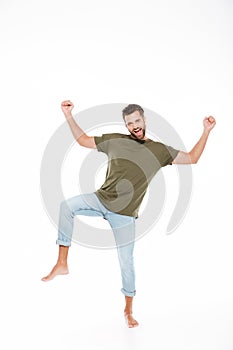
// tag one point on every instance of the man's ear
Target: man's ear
(144, 119)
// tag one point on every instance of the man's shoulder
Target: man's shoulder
(107, 139)
(117, 135)
(153, 143)
(156, 147)
(114, 135)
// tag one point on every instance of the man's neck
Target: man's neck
(138, 140)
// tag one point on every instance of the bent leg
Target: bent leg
(86, 204)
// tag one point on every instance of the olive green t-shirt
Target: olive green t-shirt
(131, 166)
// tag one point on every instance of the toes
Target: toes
(131, 322)
(45, 279)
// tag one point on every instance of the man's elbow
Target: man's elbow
(86, 141)
(82, 140)
(193, 158)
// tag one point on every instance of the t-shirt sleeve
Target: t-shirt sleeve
(169, 154)
(102, 142)
(98, 141)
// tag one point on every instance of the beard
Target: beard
(140, 135)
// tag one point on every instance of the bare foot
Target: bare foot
(57, 270)
(130, 321)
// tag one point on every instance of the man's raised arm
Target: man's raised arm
(78, 133)
(193, 156)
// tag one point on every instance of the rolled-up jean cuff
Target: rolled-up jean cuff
(128, 294)
(65, 244)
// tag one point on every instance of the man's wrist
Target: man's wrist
(68, 115)
(206, 132)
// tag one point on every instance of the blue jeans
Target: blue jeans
(123, 228)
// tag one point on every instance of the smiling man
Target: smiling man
(135, 121)
(133, 161)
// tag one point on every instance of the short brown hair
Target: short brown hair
(132, 108)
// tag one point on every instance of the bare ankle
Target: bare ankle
(128, 305)
(128, 311)
(61, 262)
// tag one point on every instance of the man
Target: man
(133, 160)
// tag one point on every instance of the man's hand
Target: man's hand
(209, 123)
(67, 107)
(193, 156)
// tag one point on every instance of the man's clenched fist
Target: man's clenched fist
(209, 123)
(67, 107)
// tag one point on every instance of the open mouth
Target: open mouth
(138, 131)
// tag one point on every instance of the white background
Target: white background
(173, 57)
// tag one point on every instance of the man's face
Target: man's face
(135, 123)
